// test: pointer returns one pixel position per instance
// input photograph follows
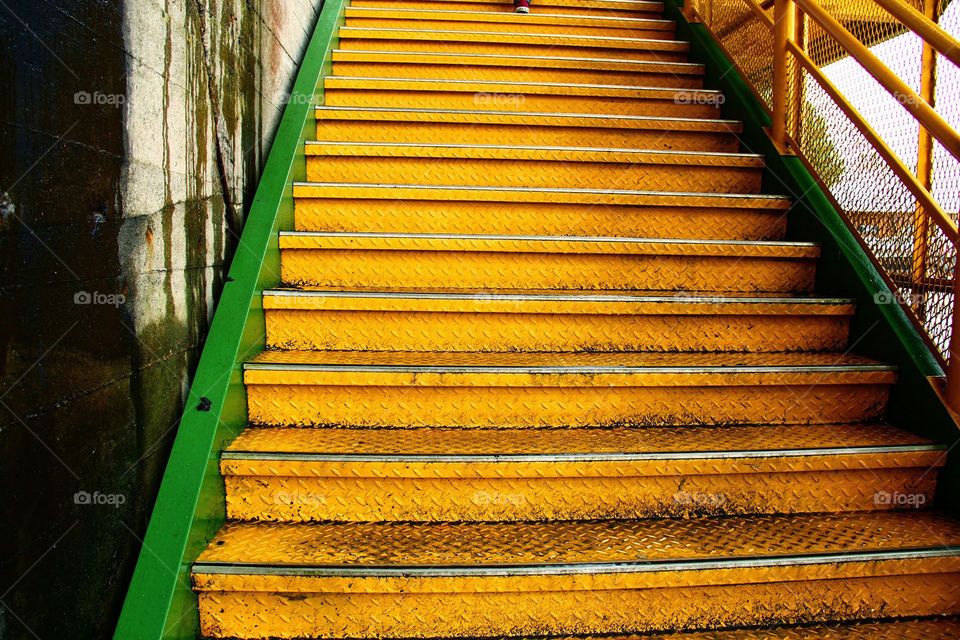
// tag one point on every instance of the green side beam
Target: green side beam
(190, 505)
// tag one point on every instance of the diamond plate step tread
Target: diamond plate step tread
(911, 629)
(428, 549)
(676, 96)
(327, 114)
(547, 40)
(533, 194)
(620, 5)
(495, 21)
(648, 10)
(536, 321)
(562, 390)
(577, 302)
(572, 445)
(557, 154)
(545, 62)
(545, 244)
(585, 474)
(511, 18)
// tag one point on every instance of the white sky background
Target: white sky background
(892, 121)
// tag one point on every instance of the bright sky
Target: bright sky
(892, 122)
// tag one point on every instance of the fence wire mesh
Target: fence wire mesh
(916, 255)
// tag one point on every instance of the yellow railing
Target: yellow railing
(888, 180)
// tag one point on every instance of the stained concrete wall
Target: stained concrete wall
(133, 134)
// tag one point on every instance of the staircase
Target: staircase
(545, 365)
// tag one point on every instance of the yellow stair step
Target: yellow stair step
(449, 126)
(430, 474)
(409, 389)
(520, 43)
(626, 8)
(538, 22)
(551, 578)
(354, 259)
(423, 93)
(530, 211)
(463, 66)
(421, 320)
(533, 166)
(902, 629)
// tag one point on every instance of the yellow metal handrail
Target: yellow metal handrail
(929, 30)
(790, 39)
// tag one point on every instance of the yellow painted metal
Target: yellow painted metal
(583, 7)
(516, 69)
(485, 322)
(515, 263)
(457, 117)
(461, 605)
(612, 9)
(783, 598)
(637, 67)
(349, 394)
(784, 27)
(923, 112)
(295, 492)
(549, 167)
(492, 22)
(358, 93)
(460, 546)
(512, 44)
(517, 129)
(452, 210)
(262, 484)
(519, 22)
(925, 25)
(511, 27)
(679, 441)
(933, 209)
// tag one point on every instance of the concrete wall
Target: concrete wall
(133, 134)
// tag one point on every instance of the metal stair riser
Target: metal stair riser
(430, 43)
(378, 330)
(511, 26)
(464, 269)
(521, 102)
(397, 405)
(410, 215)
(473, 133)
(292, 608)
(610, 10)
(304, 491)
(532, 173)
(519, 73)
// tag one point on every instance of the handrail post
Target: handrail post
(952, 391)
(784, 18)
(921, 226)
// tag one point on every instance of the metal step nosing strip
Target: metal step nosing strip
(585, 39)
(570, 370)
(497, 238)
(432, 81)
(421, 145)
(461, 56)
(531, 114)
(510, 570)
(500, 297)
(507, 16)
(617, 192)
(578, 457)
